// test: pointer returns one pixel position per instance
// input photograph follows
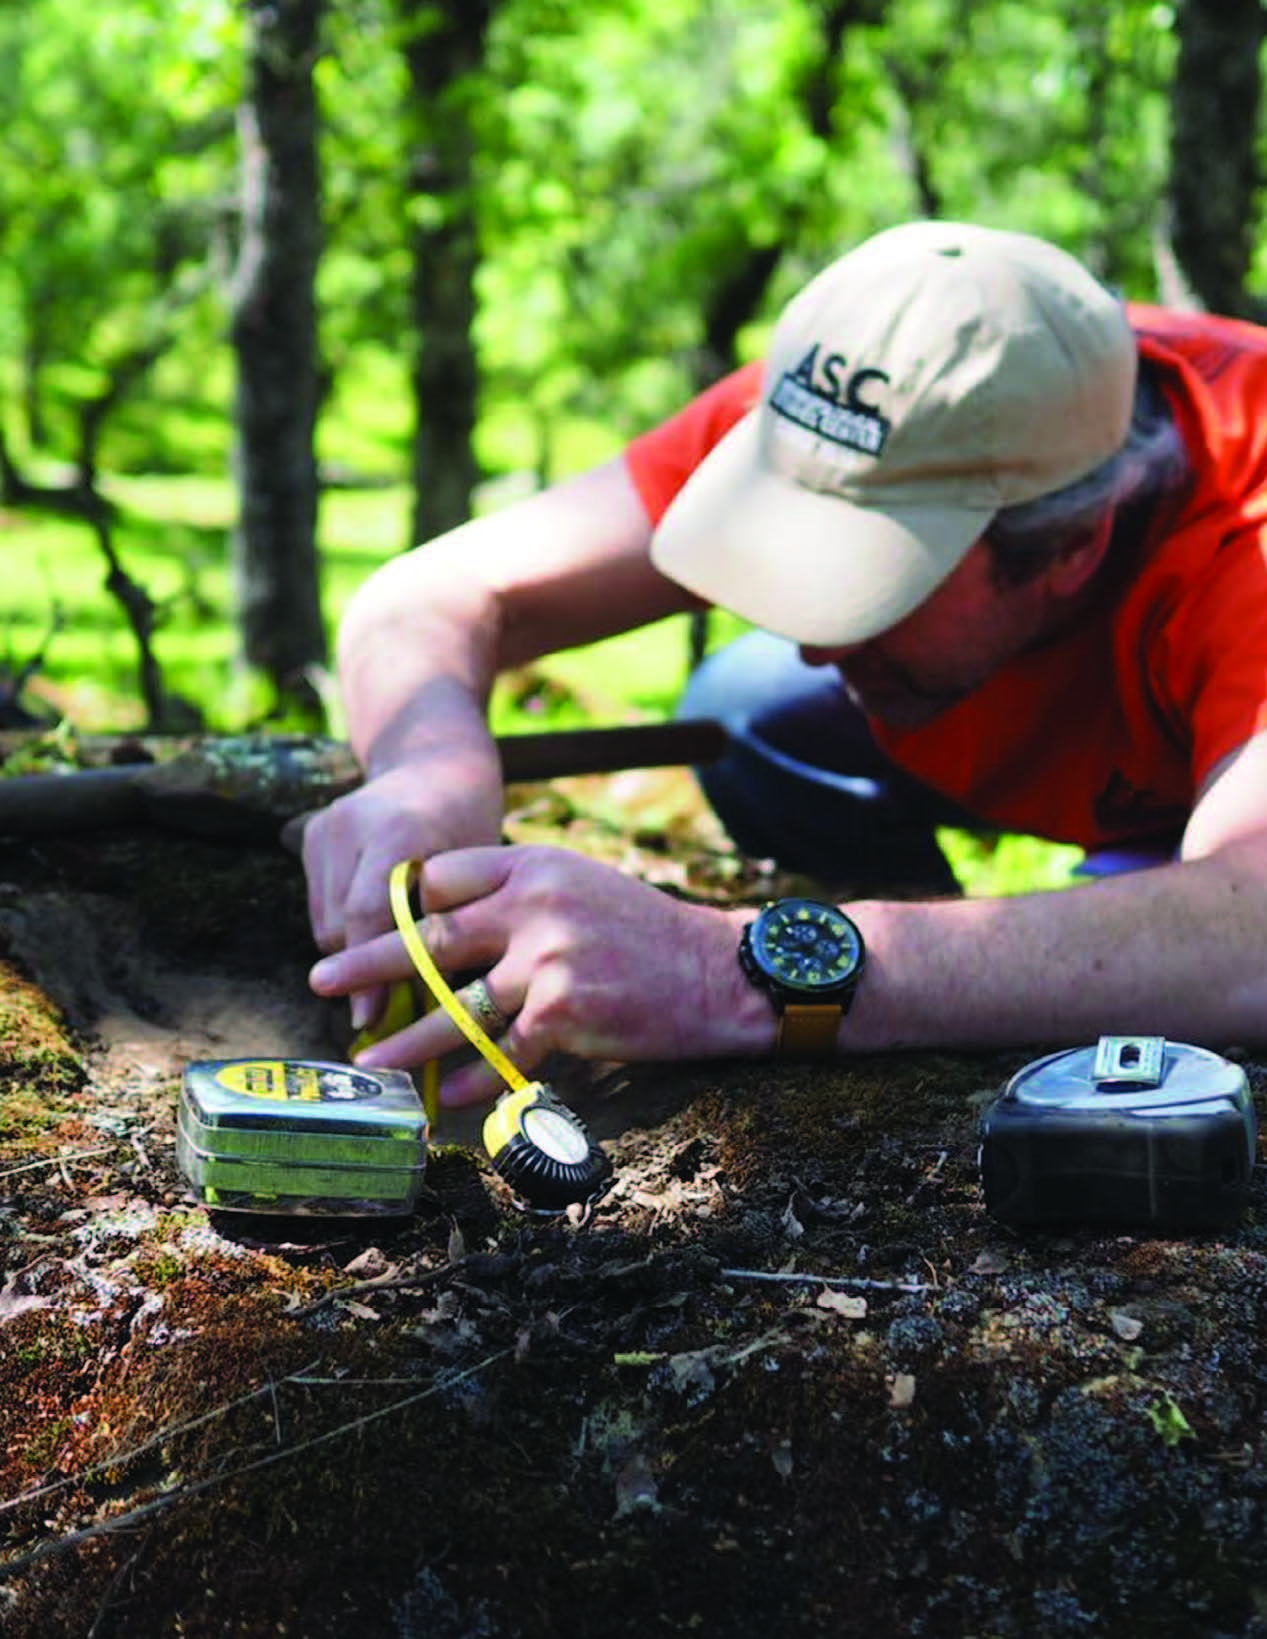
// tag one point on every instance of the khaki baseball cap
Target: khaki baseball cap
(934, 374)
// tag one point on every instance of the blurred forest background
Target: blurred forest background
(287, 286)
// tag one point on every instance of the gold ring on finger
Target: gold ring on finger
(483, 1009)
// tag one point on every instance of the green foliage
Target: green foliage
(634, 157)
(1168, 1419)
(634, 164)
(117, 125)
(988, 863)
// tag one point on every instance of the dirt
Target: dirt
(787, 1377)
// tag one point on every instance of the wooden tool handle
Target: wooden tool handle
(208, 791)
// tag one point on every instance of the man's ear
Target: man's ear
(1074, 568)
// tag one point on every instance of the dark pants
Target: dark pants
(803, 781)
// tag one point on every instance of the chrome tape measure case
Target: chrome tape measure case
(301, 1136)
(1136, 1131)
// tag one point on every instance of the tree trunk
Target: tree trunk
(275, 337)
(34, 353)
(444, 46)
(1213, 166)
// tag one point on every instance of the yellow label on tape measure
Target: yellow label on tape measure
(286, 1081)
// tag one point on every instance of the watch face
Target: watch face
(806, 947)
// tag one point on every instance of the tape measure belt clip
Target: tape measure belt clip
(1129, 1061)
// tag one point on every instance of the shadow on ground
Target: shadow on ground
(786, 1378)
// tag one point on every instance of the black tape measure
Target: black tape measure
(1136, 1131)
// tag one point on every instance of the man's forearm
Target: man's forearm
(417, 658)
(442, 725)
(1178, 951)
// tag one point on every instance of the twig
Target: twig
(930, 1175)
(183, 1493)
(378, 1283)
(352, 1382)
(831, 1280)
(55, 1161)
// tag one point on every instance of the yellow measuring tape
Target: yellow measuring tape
(400, 882)
(535, 1143)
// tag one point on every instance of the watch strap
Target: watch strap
(807, 1030)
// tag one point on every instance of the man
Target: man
(1016, 535)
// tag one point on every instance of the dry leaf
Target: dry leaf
(692, 1373)
(636, 1487)
(367, 1264)
(901, 1390)
(989, 1262)
(842, 1303)
(1127, 1327)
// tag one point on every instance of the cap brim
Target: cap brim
(813, 567)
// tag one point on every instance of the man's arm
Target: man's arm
(1180, 950)
(565, 567)
(419, 647)
(587, 960)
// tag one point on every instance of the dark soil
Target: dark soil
(787, 1377)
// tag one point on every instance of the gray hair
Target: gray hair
(1024, 540)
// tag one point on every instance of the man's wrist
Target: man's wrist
(741, 1018)
(806, 958)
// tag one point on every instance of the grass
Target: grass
(1006, 864)
(174, 535)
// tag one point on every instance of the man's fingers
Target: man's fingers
(369, 1010)
(473, 1081)
(349, 849)
(379, 961)
(463, 875)
(456, 941)
(292, 833)
(384, 1012)
(327, 866)
(367, 904)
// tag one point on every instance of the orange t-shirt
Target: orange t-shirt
(1106, 734)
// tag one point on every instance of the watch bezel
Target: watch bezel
(756, 944)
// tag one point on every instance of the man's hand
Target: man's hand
(580, 957)
(350, 847)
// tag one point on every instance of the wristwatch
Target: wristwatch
(808, 958)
